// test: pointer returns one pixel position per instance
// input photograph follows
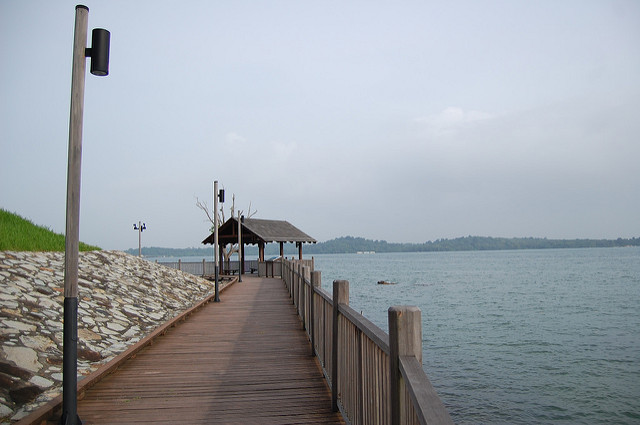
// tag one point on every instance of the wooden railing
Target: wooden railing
(375, 378)
(207, 268)
(270, 268)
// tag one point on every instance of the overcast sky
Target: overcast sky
(404, 121)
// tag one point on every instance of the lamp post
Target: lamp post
(99, 54)
(140, 227)
(218, 195)
(240, 268)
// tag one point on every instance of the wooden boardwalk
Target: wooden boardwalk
(245, 360)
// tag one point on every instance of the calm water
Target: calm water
(515, 337)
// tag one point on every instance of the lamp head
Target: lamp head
(99, 52)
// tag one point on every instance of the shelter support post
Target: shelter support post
(221, 258)
(242, 260)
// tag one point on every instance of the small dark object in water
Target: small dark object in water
(384, 282)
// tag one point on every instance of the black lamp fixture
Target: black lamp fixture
(139, 226)
(99, 51)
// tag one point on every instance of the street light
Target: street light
(140, 227)
(99, 54)
(218, 195)
(240, 268)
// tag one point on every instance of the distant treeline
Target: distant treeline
(350, 244)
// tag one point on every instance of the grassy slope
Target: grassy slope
(19, 234)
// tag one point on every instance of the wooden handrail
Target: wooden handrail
(358, 357)
(377, 335)
(428, 406)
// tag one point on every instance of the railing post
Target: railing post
(299, 288)
(340, 296)
(297, 266)
(405, 339)
(179, 264)
(284, 276)
(316, 278)
(203, 267)
(291, 266)
(289, 276)
(307, 292)
(303, 287)
(325, 339)
(360, 374)
(295, 284)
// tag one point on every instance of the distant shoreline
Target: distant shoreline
(353, 245)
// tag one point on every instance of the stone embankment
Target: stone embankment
(121, 300)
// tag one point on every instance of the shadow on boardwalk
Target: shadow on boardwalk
(245, 360)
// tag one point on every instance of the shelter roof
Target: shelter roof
(255, 230)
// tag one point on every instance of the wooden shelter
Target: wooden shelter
(260, 232)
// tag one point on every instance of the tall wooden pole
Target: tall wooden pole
(242, 223)
(139, 239)
(215, 238)
(240, 268)
(72, 232)
(75, 154)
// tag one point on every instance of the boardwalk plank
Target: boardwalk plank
(244, 360)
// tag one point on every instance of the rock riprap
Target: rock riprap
(121, 300)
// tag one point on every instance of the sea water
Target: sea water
(515, 337)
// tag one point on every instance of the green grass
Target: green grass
(19, 234)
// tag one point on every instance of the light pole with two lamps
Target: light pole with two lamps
(140, 227)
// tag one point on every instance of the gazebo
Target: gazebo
(260, 232)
